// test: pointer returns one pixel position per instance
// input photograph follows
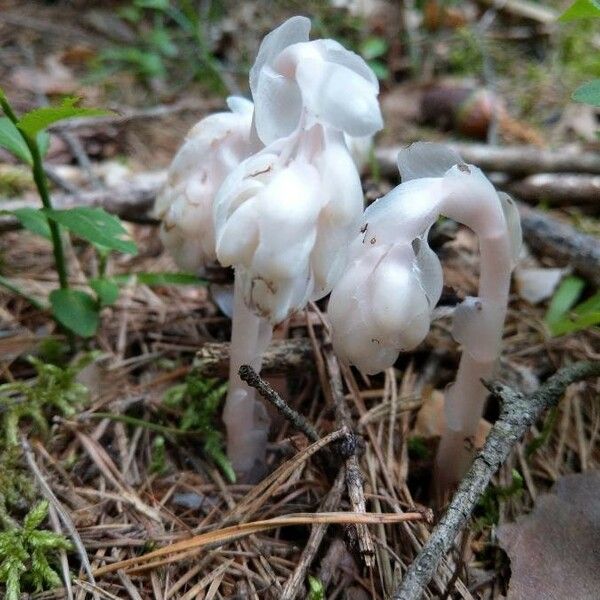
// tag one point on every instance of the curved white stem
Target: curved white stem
(465, 399)
(245, 417)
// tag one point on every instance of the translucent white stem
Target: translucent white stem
(465, 398)
(245, 417)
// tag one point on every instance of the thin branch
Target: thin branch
(354, 476)
(518, 414)
(249, 376)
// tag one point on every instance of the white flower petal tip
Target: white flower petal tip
(213, 147)
(286, 225)
(296, 83)
(426, 159)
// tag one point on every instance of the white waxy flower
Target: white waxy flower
(213, 148)
(384, 300)
(286, 227)
(319, 81)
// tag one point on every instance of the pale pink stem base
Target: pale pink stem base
(465, 398)
(245, 417)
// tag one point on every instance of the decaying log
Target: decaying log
(515, 160)
(558, 189)
(548, 237)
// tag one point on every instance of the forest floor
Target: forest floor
(134, 467)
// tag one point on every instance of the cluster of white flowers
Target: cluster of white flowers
(272, 188)
(384, 301)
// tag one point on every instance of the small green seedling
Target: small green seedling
(589, 92)
(199, 399)
(53, 389)
(26, 137)
(564, 316)
(27, 554)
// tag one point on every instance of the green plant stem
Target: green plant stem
(39, 177)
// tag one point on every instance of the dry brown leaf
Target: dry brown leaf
(555, 550)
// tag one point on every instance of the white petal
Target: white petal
(339, 97)
(240, 105)
(239, 237)
(398, 303)
(513, 224)
(336, 53)
(429, 270)
(294, 30)
(222, 295)
(288, 209)
(404, 213)
(278, 106)
(360, 150)
(426, 159)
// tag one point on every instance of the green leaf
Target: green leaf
(160, 279)
(43, 141)
(564, 299)
(34, 220)
(586, 314)
(33, 122)
(373, 47)
(35, 516)
(581, 9)
(589, 93)
(75, 310)
(94, 225)
(106, 290)
(13, 141)
(154, 4)
(316, 591)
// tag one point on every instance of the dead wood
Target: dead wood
(558, 189)
(549, 238)
(132, 202)
(515, 160)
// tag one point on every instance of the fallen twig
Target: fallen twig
(559, 189)
(354, 477)
(281, 357)
(176, 551)
(250, 377)
(515, 160)
(548, 237)
(518, 414)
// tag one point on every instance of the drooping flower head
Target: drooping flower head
(294, 78)
(285, 216)
(212, 149)
(383, 302)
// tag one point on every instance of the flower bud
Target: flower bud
(213, 147)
